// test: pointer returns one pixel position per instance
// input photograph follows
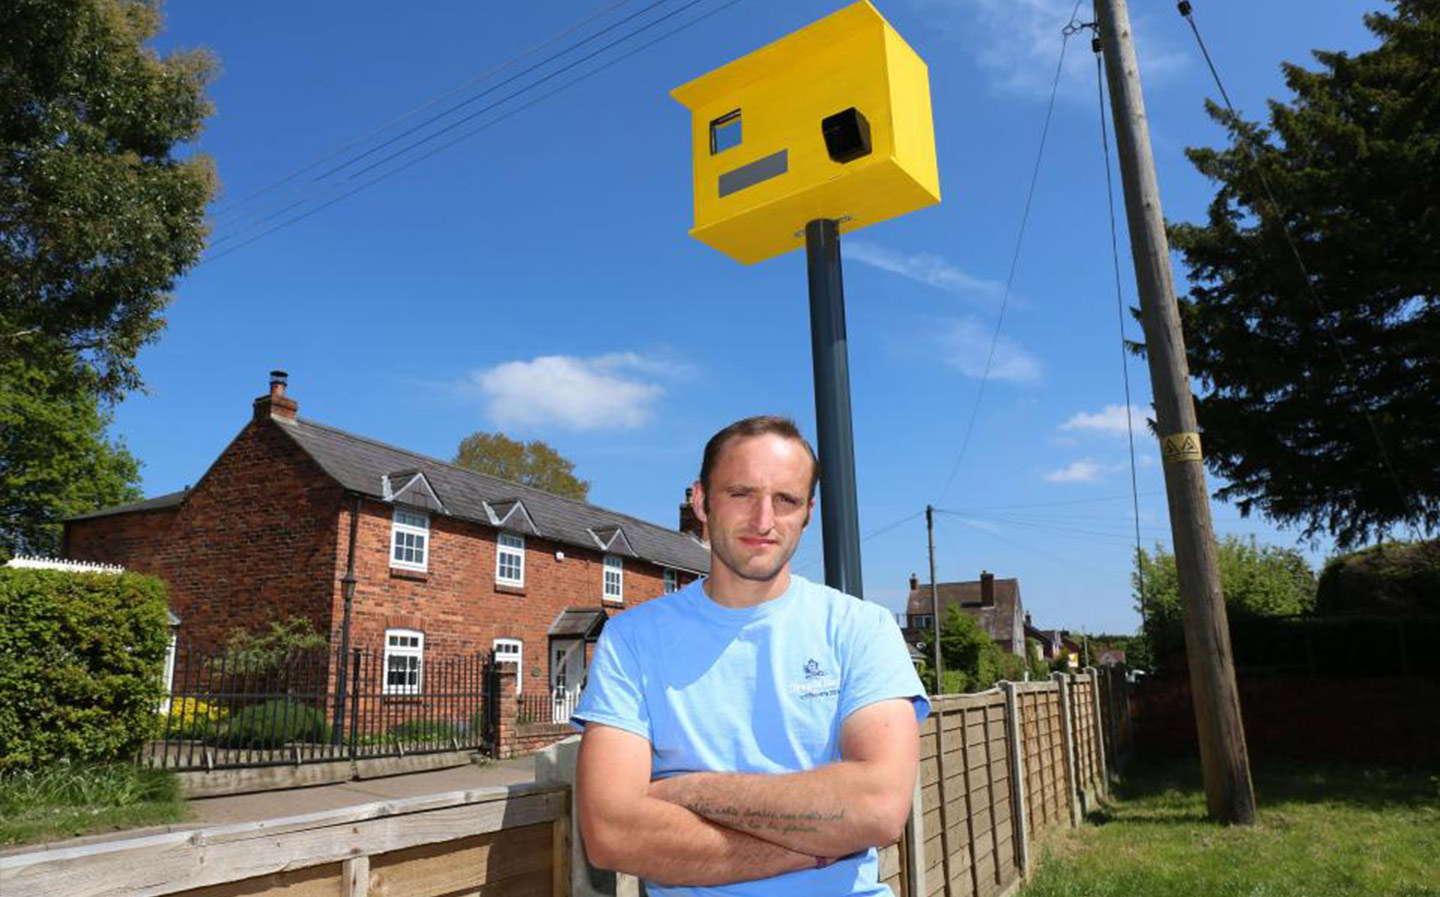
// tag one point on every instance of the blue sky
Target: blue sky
(537, 277)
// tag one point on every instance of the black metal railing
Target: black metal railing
(554, 706)
(228, 711)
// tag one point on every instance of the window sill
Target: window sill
(509, 588)
(613, 602)
(412, 575)
(402, 699)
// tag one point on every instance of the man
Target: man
(753, 733)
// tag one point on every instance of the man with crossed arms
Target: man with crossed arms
(753, 733)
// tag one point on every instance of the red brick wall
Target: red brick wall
(256, 535)
(125, 539)
(457, 603)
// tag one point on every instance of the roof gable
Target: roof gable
(612, 539)
(510, 514)
(410, 487)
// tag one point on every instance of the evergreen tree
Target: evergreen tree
(55, 457)
(1319, 404)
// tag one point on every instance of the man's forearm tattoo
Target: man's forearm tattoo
(764, 820)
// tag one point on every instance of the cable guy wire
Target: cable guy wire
(1015, 256)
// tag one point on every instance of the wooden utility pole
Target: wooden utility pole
(1229, 794)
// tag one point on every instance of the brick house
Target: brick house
(994, 604)
(445, 561)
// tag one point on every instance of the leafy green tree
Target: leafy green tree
(98, 214)
(1257, 581)
(1035, 664)
(1319, 403)
(55, 457)
(532, 463)
(973, 662)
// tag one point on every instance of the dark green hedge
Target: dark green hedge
(81, 661)
(1392, 578)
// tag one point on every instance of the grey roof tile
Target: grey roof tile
(158, 503)
(358, 464)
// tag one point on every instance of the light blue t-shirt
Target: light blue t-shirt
(758, 689)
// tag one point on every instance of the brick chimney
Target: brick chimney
(914, 583)
(276, 404)
(987, 589)
(689, 523)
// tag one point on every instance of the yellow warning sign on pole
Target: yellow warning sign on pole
(1178, 448)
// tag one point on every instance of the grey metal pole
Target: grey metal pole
(839, 510)
(1230, 797)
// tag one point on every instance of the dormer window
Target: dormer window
(409, 539)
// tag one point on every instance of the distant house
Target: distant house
(994, 604)
(1048, 640)
(445, 561)
(1110, 657)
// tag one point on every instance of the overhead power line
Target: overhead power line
(410, 162)
(1014, 257)
(433, 101)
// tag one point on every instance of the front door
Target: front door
(567, 669)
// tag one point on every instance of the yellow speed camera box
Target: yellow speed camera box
(832, 121)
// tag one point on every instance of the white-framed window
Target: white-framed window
(404, 652)
(511, 650)
(409, 539)
(614, 579)
(672, 581)
(510, 559)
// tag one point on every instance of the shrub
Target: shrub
(424, 730)
(1393, 577)
(191, 718)
(81, 661)
(274, 723)
(267, 651)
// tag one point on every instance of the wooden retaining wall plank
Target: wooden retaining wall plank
(315, 881)
(178, 861)
(431, 870)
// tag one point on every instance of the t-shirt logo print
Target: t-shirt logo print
(818, 682)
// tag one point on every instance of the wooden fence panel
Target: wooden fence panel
(1088, 765)
(975, 823)
(1047, 792)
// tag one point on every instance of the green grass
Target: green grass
(63, 801)
(1322, 831)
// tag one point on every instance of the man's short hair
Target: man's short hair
(759, 425)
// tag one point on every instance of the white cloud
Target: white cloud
(1016, 43)
(966, 344)
(925, 267)
(604, 392)
(1111, 420)
(1082, 471)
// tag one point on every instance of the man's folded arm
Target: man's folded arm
(627, 830)
(830, 811)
